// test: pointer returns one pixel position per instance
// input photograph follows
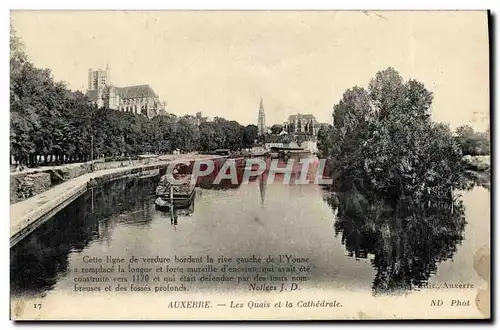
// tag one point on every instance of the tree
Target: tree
(250, 134)
(23, 116)
(47, 119)
(472, 143)
(232, 131)
(187, 134)
(386, 91)
(325, 136)
(36, 107)
(163, 127)
(211, 136)
(80, 116)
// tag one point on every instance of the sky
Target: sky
(223, 62)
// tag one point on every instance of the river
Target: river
(119, 219)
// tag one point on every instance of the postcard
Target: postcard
(249, 165)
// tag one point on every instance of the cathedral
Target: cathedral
(303, 124)
(140, 99)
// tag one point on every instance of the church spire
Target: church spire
(261, 123)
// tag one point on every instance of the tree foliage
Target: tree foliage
(276, 129)
(250, 134)
(325, 136)
(473, 143)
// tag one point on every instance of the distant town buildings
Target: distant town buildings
(140, 99)
(261, 122)
(304, 124)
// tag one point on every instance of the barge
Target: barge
(179, 195)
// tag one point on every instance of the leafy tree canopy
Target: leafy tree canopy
(384, 143)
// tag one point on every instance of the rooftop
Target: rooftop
(132, 92)
(128, 92)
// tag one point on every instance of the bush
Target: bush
(473, 143)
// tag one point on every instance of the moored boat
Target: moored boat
(169, 192)
(165, 202)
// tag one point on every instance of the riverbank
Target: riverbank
(479, 169)
(32, 181)
(27, 215)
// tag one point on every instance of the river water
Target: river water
(119, 219)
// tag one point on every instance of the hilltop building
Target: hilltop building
(140, 99)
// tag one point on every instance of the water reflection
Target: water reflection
(209, 181)
(406, 246)
(262, 186)
(173, 213)
(37, 262)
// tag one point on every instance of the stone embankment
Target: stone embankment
(33, 181)
(28, 214)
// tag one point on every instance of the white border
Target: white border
(254, 5)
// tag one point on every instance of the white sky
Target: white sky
(221, 63)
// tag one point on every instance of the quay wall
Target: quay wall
(29, 214)
(44, 178)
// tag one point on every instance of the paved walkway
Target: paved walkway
(30, 210)
(97, 161)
